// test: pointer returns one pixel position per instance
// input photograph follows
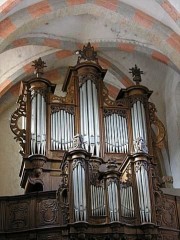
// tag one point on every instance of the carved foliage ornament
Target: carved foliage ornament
(126, 177)
(48, 211)
(42, 92)
(68, 99)
(109, 111)
(39, 66)
(89, 76)
(78, 161)
(165, 208)
(136, 74)
(110, 102)
(142, 98)
(140, 164)
(106, 98)
(87, 54)
(20, 134)
(68, 109)
(160, 127)
(94, 172)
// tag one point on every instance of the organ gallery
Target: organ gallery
(90, 167)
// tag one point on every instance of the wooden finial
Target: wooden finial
(39, 66)
(136, 74)
(87, 54)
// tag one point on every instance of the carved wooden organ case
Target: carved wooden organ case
(96, 151)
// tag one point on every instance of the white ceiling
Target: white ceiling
(124, 33)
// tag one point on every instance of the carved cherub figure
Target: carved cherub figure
(140, 145)
(78, 141)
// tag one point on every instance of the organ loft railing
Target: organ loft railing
(98, 150)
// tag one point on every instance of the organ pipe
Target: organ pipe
(113, 201)
(89, 117)
(127, 204)
(116, 133)
(97, 200)
(38, 123)
(62, 130)
(79, 190)
(138, 122)
(143, 191)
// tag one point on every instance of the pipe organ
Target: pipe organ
(89, 115)
(97, 150)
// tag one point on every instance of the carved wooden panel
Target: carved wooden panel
(22, 237)
(48, 212)
(169, 215)
(17, 215)
(50, 236)
(2, 215)
(168, 235)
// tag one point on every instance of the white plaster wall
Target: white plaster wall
(173, 123)
(10, 159)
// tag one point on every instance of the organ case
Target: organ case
(97, 150)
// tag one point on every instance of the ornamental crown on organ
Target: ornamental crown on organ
(99, 150)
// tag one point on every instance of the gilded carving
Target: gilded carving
(68, 99)
(20, 134)
(155, 120)
(106, 98)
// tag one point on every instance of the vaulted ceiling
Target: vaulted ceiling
(123, 33)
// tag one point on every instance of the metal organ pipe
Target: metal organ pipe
(116, 135)
(97, 200)
(90, 117)
(79, 191)
(62, 130)
(138, 121)
(127, 203)
(143, 191)
(113, 201)
(38, 124)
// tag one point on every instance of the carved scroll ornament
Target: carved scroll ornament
(160, 127)
(20, 134)
(68, 99)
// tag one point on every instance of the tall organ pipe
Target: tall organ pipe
(38, 123)
(138, 122)
(89, 117)
(79, 188)
(113, 201)
(143, 191)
